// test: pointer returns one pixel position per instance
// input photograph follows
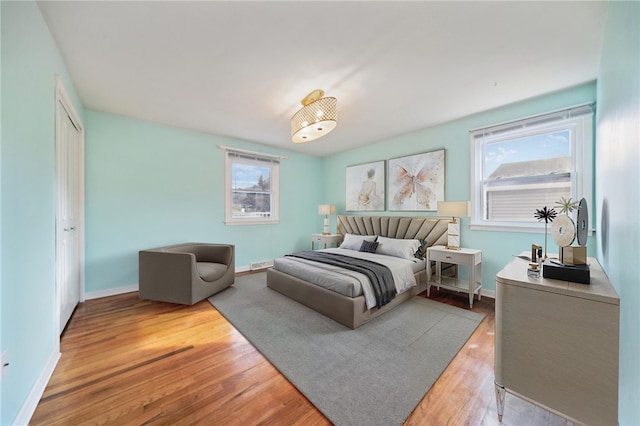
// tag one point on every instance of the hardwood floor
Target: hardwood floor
(127, 361)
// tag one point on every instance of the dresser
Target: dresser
(556, 343)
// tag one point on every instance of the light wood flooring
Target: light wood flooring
(127, 361)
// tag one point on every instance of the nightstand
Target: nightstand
(472, 258)
(326, 239)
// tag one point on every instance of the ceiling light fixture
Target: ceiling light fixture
(317, 117)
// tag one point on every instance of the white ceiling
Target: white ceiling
(239, 69)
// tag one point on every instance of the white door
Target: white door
(68, 221)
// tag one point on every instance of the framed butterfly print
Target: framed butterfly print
(365, 187)
(416, 182)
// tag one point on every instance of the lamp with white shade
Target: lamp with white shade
(454, 209)
(326, 210)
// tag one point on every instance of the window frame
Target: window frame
(579, 120)
(253, 159)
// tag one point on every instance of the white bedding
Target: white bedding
(351, 283)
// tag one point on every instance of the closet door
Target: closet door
(68, 220)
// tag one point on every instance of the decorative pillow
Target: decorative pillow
(369, 246)
(397, 247)
(354, 242)
(421, 253)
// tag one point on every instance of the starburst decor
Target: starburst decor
(566, 206)
(547, 215)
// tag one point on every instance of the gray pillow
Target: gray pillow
(369, 246)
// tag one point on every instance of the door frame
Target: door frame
(64, 105)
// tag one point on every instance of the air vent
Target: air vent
(261, 265)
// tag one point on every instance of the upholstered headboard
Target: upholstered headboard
(433, 231)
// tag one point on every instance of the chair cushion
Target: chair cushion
(210, 271)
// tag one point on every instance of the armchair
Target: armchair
(185, 273)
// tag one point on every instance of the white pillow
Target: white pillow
(354, 242)
(396, 247)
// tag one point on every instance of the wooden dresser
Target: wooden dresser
(556, 343)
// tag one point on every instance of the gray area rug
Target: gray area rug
(374, 375)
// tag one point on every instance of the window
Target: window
(252, 185)
(522, 166)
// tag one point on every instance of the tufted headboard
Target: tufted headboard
(432, 230)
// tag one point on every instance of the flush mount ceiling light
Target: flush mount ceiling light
(316, 118)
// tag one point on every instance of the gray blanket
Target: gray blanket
(381, 278)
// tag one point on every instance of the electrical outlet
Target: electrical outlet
(4, 364)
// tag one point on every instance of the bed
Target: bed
(352, 310)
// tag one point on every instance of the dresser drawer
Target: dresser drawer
(450, 256)
(326, 239)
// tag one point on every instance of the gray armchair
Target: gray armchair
(185, 273)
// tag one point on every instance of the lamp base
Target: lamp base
(325, 230)
(453, 236)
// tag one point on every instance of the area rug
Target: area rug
(374, 375)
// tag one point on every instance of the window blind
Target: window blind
(252, 155)
(534, 121)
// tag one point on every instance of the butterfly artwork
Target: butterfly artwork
(417, 181)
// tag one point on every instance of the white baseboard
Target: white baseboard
(110, 292)
(247, 268)
(134, 287)
(31, 403)
(491, 294)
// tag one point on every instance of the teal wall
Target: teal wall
(498, 247)
(149, 185)
(30, 61)
(618, 188)
(1, 345)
